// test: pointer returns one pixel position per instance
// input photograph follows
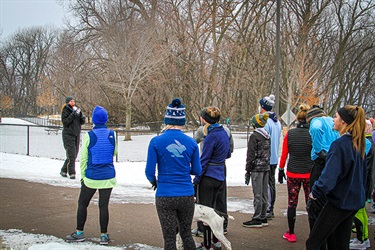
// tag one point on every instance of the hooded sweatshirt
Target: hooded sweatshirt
(273, 126)
(258, 151)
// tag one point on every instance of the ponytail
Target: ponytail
(357, 128)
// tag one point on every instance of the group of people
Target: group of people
(333, 161)
(330, 158)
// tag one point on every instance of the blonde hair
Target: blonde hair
(212, 112)
(301, 115)
(357, 128)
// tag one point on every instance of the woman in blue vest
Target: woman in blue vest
(97, 173)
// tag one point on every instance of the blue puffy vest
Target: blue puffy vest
(101, 149)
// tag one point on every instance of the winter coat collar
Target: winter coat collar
(263, 132)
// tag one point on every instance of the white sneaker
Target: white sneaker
(357, 244)
(367, 243)
(372, 209)
(354, 240)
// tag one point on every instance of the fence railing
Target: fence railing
(46, 141)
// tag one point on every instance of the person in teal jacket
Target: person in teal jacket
(97, 173)
(171, 160)
(322, 136)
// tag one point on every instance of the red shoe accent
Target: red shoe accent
(290, 237)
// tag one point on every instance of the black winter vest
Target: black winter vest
(299, 147)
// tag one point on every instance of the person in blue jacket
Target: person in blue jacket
(97, 173)
(175, 156)
(216, 149)
(342, 181)
(273, 126)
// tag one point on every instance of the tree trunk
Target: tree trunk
(128, 118)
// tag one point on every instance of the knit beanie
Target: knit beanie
(267, 102)
(315, 111)
(208, 118)
(99, 116)
(68, 99)
(175, 113)
(259, 120)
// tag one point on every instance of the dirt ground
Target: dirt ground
(44, 209)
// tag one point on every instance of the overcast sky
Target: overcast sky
(15, 14)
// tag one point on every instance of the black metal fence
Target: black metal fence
(46, 141)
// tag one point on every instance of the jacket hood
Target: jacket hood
(263, 132)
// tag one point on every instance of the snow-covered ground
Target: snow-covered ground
(133, 187)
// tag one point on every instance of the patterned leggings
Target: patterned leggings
(294, 186)
(176, 215)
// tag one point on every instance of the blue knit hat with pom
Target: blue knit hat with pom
(99, 116)
(267, 102)
(175, 113)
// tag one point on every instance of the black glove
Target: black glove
(322, 154)
(154, 185)
(309, 204)
(247, 178)
(282, 176)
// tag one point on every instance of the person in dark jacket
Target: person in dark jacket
(216, 149)
(97, 173)
(257, 168)
(72, 119)
(297, 145)
(342, 181)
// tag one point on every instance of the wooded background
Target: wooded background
(134, 56)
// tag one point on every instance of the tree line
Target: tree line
(134, 56)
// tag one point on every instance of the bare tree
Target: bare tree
(122, 46)
(23, 67)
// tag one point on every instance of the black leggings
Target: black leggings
(83, 202)
(208, 190)
(176, 213)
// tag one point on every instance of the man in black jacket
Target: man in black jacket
(72, 119)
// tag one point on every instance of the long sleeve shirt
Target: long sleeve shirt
(322, 135)
(172, 157)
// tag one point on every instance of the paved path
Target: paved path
(44, 209)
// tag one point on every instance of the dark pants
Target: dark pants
(83, 202)
(271, 188)
(208, 190)
(221, 200)
(332, 221)
(71, 145)
(316, 207)
(176, 213)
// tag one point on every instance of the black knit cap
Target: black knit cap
(68, 99)
(315, 111)
(345, 116)
(208, 118)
